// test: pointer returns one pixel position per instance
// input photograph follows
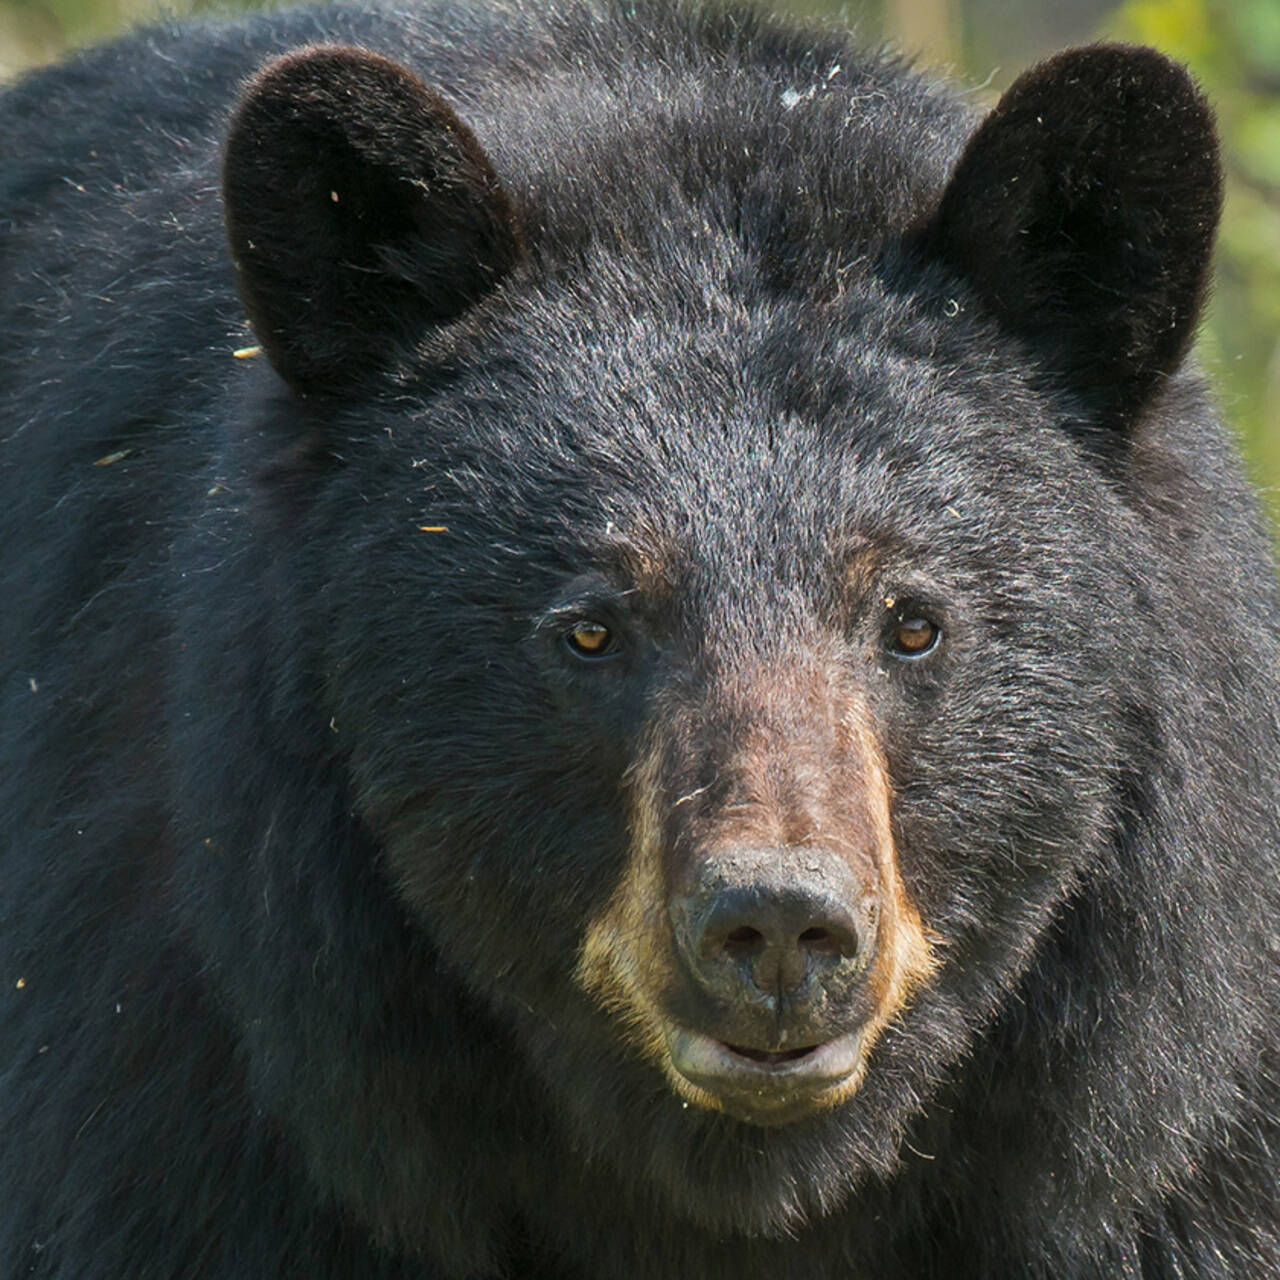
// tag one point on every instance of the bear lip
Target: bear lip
(766, 1086)
(770, 1057)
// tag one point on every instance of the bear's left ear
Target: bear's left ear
(359, 208)
(1083, 213)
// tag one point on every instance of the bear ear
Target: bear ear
(1083, 213)
(359, 208)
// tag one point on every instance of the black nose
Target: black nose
(779, 924)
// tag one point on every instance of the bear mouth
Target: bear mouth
(764, 1086)
(768, 1057)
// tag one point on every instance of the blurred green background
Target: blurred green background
(1233, 46)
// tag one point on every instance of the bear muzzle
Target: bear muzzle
(773, 946)
(761, 938)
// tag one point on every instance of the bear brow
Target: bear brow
(642, 564)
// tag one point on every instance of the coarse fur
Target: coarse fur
(745, 340)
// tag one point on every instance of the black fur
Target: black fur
(345, 224)
(304, 809)
(1083, 212)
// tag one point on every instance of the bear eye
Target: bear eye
(914, 637)
(591, 640)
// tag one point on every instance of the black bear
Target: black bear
(630, 652)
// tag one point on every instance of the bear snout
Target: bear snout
(784, 932)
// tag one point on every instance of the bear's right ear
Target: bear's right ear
(359, 208)
(1083, 214)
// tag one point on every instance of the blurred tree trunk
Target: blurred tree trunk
(929, 29)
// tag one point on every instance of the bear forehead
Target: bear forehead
(737, 408)
(829, 149)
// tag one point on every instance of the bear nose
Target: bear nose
(775, 924)
(777, 942)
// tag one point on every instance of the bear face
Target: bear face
(722, 719)
(678, 681)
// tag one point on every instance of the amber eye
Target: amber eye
(914, 637)
(591, 640)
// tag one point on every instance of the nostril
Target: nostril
(817, 948)
(822, 942)
(744, 942)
